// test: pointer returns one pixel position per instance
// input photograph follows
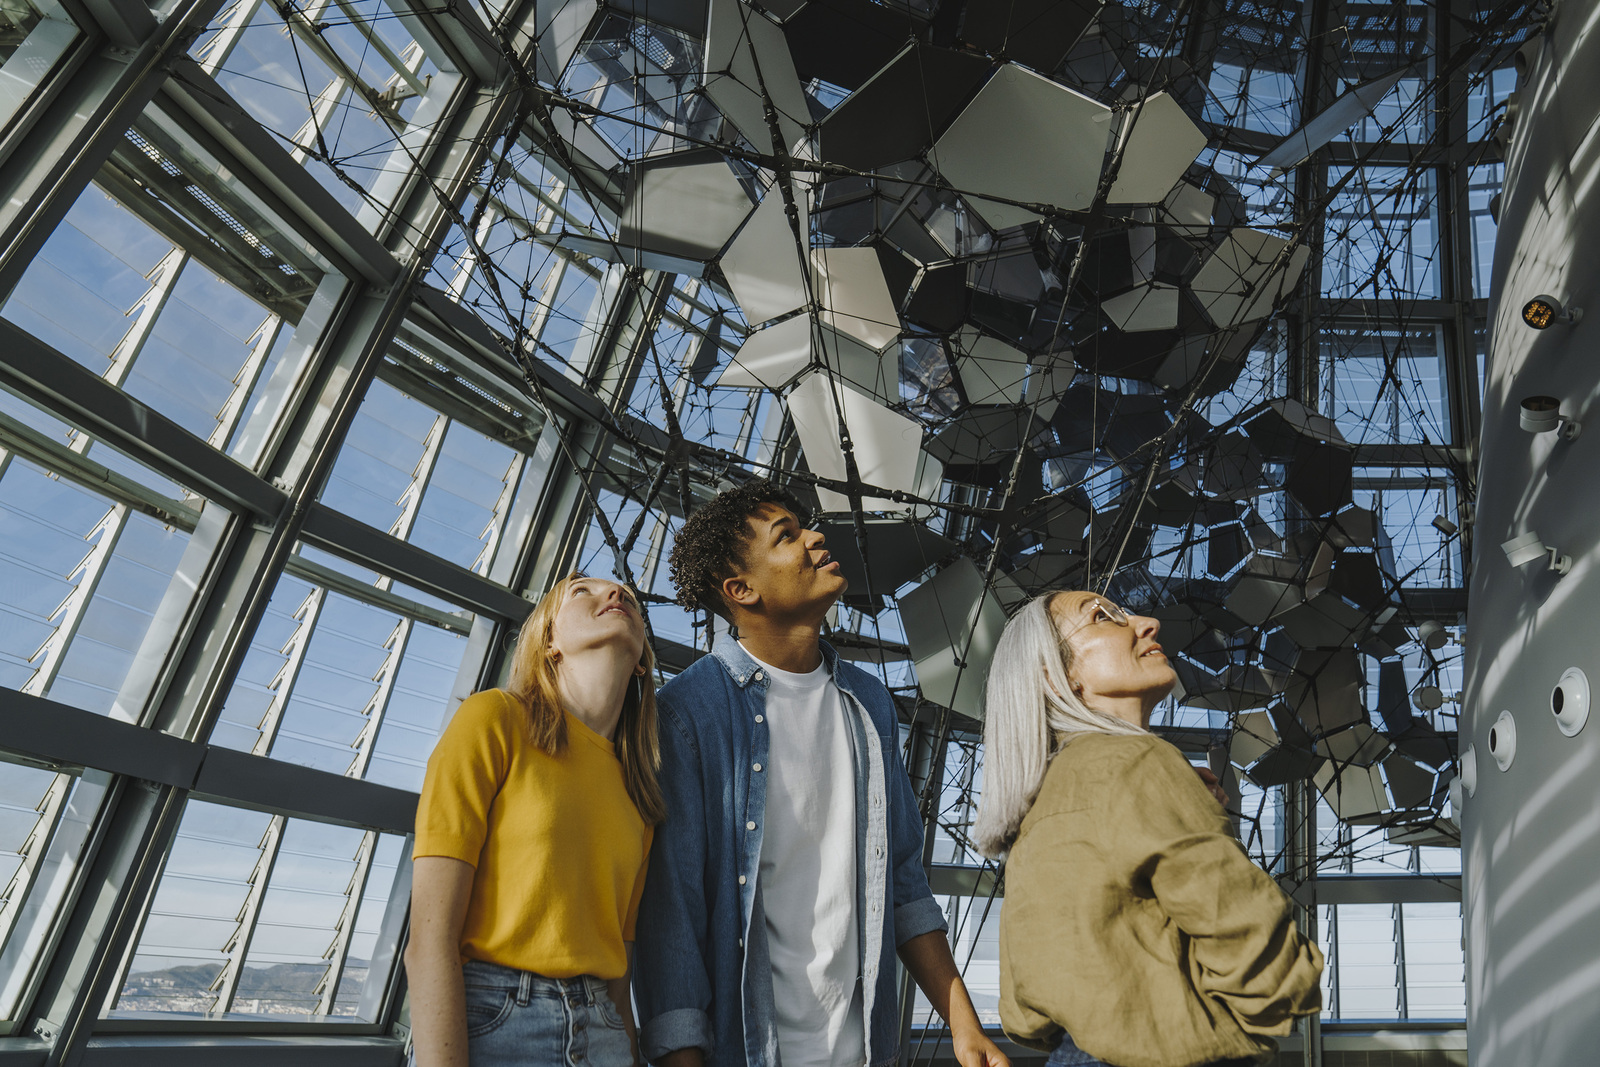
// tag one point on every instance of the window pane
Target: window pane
(1435, 964)
(342, 685)
(320, 83)
(45, 819)
(1381, 234)
(112, 294)
(1386, 385)
(975, 944)
(1368, 983)
(1483, 185)
(1407, 500)
(259, 914)
(80, 578)
(441, 484)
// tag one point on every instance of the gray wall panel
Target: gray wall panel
(1531, 833)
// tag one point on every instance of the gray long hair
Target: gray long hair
(1029, 709)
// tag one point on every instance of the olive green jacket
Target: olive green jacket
(1134, 920)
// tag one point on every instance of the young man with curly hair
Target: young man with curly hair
(788, 873)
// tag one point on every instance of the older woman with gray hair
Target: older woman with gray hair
(1136, 931)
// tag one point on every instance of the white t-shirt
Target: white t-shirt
(808, 872)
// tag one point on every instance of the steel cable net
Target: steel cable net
(1018, 295)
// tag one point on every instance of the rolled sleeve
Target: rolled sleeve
(1250, 954)
(673, 1030)
(915, 910)
(917, 917)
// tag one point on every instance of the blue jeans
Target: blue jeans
(1068, 1054)
(519, 1019)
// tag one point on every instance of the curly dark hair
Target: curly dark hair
(714, 538)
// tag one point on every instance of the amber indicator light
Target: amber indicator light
(1538, 313)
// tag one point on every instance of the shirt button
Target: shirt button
(749, 826)
(741, 879)
(758, 676)
(756, 766)
(760, 719)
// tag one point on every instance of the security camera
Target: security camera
(1445, 526)
(1527, 548)
(1543, 311)
(1432, 635)
(1541, 414)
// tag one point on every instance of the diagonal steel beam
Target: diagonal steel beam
(210, 114)
(70, 126)
(35, 371)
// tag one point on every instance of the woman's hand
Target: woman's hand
(620, 990)
(1214, 785)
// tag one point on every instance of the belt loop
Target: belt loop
(525, 989)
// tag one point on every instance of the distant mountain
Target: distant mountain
(278, 989)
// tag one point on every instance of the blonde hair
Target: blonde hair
(1030, 709)
(533, 682)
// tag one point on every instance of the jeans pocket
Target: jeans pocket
(608, 1012)
(488, 1008)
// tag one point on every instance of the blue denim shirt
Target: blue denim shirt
(702, 976)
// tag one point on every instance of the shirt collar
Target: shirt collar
(743, 668)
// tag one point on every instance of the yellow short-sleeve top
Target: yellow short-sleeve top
(558, 846)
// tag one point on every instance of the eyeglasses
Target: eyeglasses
(1106, 611)
(1101, 611)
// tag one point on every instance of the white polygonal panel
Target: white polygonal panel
(1332, 121)
(1160, 147)
(559, 26)
(992, 372)
(683, 209)
(1047, 381)
(774, 357)
(873, 372)
(852, 295)
(1360, 745)
(930, 478)
(764, 265)
(886, 443)
(1253, 738)
(949, 621)
(1189, 210)
(1281, 281)
(771, 358)
(747, 53)
(1356, 794)
(1148, 307)
(995, 146)
(1237, 284)
(613, 252)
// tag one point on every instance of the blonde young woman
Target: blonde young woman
(532, 834)
(1136, 931)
